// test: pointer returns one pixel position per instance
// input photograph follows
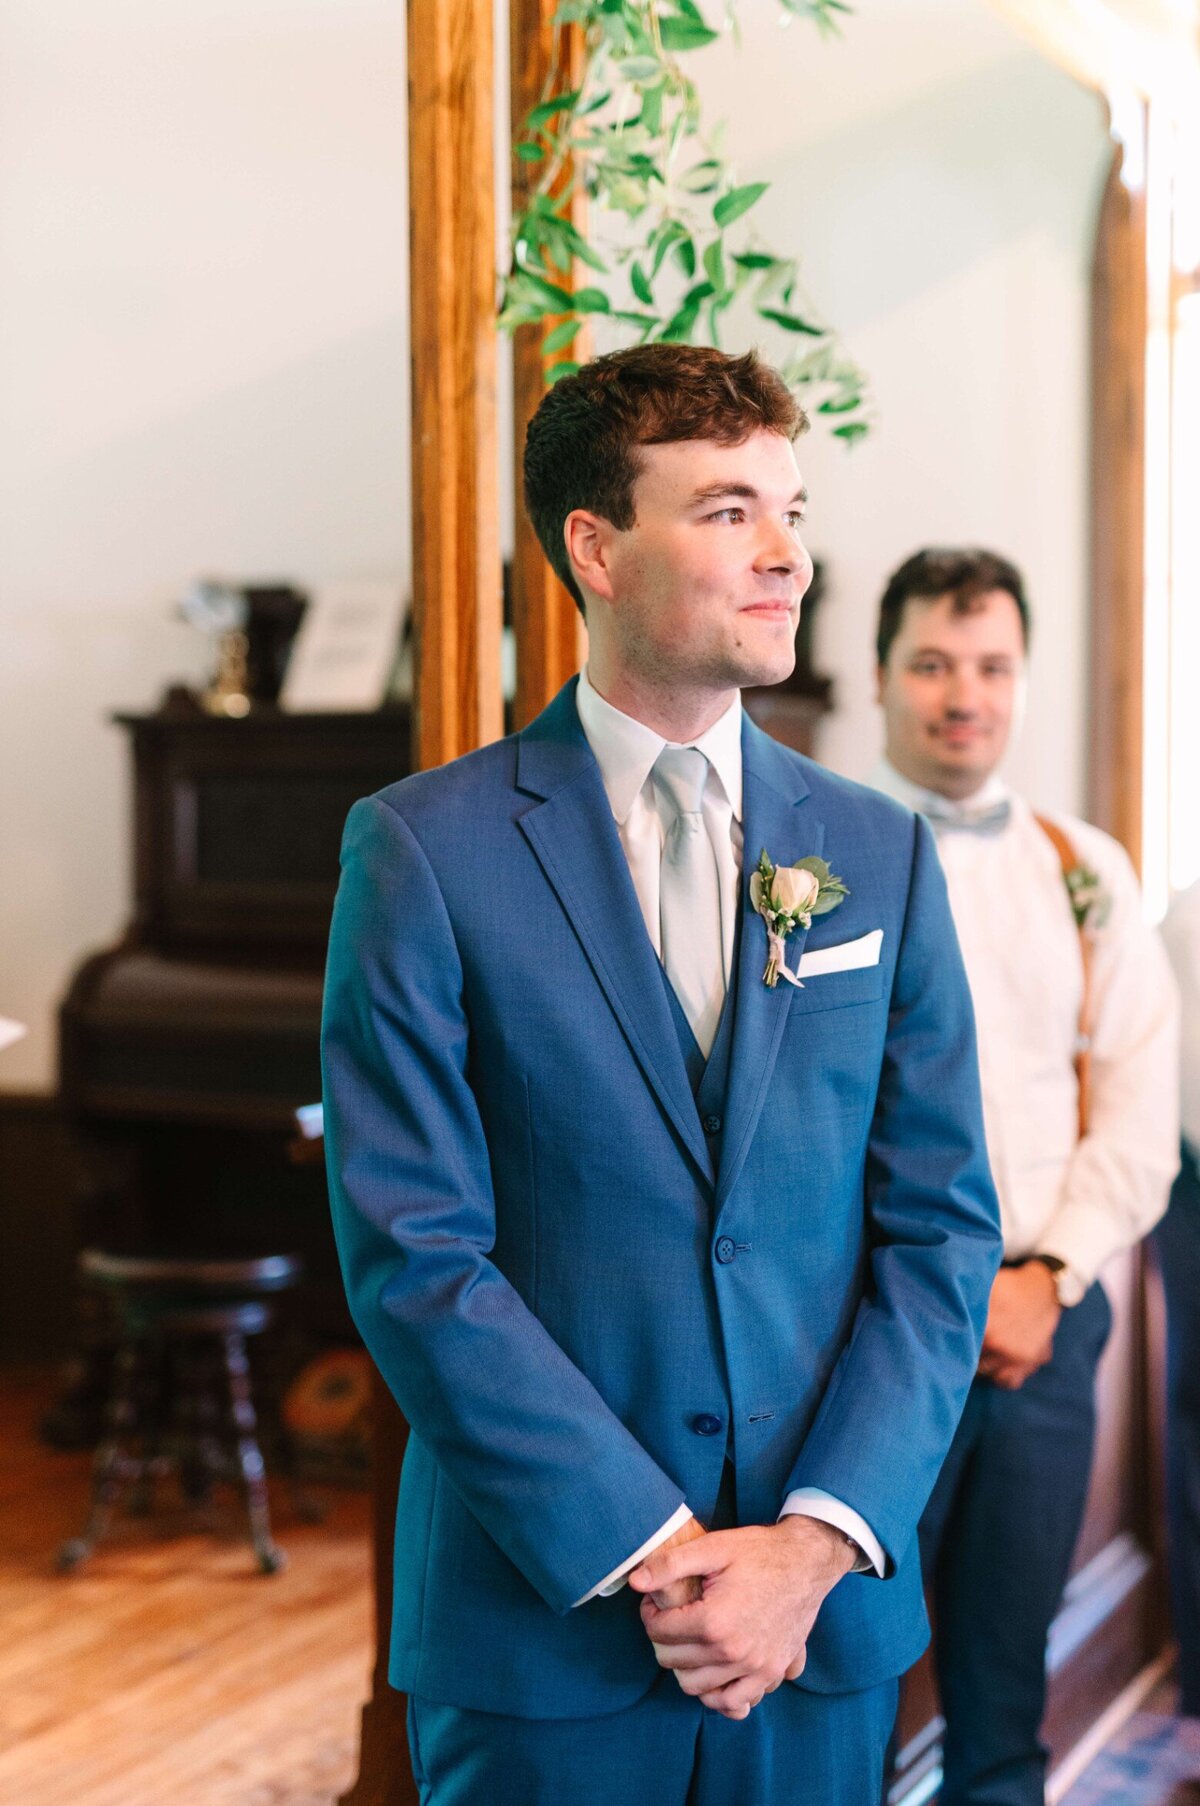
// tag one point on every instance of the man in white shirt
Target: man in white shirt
(1049, 919)
(1178, 1239)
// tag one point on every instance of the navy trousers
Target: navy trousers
(795, 1749)
(996, 1544)
(1178, 1241)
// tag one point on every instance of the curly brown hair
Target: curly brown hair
(581, 449)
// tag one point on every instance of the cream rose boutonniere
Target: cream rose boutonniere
(787, 897)
(1091, 904)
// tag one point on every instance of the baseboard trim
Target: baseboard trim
(1107, 1725)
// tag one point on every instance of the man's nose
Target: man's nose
(780, 550)
(961, 694)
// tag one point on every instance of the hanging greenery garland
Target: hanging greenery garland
(630, 135)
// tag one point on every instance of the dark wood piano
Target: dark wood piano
(186, 1048)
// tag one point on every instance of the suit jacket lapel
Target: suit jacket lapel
(573, 835)
(772, 817)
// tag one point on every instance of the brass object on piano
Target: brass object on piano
(226, 695)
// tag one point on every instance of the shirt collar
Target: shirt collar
(626, 749)
(885, 777)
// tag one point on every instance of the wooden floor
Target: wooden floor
(168, 1672)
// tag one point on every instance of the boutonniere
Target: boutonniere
(1091, 904)
(787, 897)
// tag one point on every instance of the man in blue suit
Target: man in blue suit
(661, 1194)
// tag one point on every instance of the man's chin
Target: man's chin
(761, 673)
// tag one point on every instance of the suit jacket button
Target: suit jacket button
(712, 1125)
(706, 1424)
(726, 1250)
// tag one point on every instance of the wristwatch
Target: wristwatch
(1065, 1283)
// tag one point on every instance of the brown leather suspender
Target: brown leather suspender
(1070, 861)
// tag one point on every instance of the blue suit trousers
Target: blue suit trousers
(1178, 1241)
(795, 1749)
(996, 1544)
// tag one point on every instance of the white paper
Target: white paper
(11, 1031)
(346, 647)
(848, 956)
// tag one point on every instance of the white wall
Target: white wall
(203, 361)
(203, 367)
(940, 183)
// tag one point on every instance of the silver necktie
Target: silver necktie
(689, 898)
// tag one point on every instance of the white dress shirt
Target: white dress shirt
(625, 751)
(1181, 934)
(1080, 1200)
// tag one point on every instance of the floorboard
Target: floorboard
(169, 1669)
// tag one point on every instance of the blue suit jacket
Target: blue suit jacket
(528, 1216)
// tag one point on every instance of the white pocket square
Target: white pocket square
(850, 956)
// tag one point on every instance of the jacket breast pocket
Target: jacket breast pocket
(838, 990)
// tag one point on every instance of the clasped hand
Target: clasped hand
(730, 1611)
(1023, 1315)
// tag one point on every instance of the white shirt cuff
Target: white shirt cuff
(811, 1502)
(612, 1583)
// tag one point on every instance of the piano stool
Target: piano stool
(181, 1395)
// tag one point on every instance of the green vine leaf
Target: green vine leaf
(620, 135)
(790, 322)
(731, 206)
(560, 336)
(558, 103)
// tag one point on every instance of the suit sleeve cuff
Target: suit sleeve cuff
(811, 1502)
(612, 1583)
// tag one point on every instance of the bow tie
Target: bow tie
(943, 814)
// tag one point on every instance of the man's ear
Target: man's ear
(588, 539)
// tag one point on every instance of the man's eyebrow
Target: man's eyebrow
(943, 652)
(713, 492)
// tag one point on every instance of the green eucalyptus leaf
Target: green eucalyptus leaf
(558, 103)
(701, 178)
(852, 430)
(684, 252)
(561, 335)
(682, 324)
(683, 33)
(668, 234)
(580, 248)
(790, 322)
(529, 152)
(714, 265)
(640, 285)
(652, 109)
(731, 206)
(755, 260)
(556, 372)
(561, 298)
(638, 69)
(591, 301)
(818, 868)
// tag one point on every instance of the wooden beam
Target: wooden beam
(1118, 477)
(547, 624)
(456, 542)
(457, 605)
